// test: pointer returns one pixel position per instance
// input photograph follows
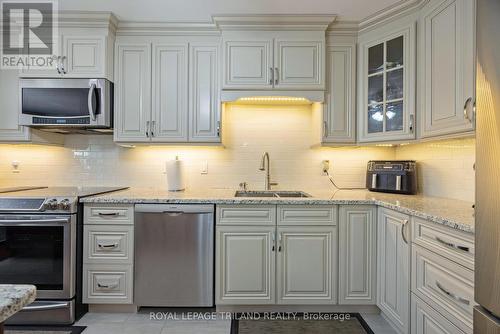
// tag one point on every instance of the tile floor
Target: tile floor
(126, 323)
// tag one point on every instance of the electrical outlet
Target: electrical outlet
(325, 166)
(204, 168)
(15, 166)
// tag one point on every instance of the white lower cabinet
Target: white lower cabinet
(357, 254)
(254, 258)
(108, 254)
(393, 268)
(425, 320)
(245, 265)
(306, 271)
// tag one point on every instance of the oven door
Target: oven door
(39, 250)
(66, 103)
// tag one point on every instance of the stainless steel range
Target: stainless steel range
(41, 236)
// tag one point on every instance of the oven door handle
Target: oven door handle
(92, 101)
(32, 222)
(45, 307)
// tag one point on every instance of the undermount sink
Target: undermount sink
(271, 193)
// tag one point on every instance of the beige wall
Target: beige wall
(285, 132)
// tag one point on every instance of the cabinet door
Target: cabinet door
(170, 104)
(299, 64)
(425, 320)
(339, 111)
(204, 100)
(393, 268)
(386, 103)
(248, 63)
(245, 265)
(307, 266)
(357, 254)
(83, 56)
(447, 57)
(10, 130)
(133, 92)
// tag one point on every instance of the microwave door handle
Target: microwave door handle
(91, 101)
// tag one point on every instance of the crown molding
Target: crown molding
(403, 7)
(87, 19)
(166, 28)
(274, 21)
(343, 28)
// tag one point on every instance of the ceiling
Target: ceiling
(202, 10)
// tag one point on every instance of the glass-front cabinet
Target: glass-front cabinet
(386, 100)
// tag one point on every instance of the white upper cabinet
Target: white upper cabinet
(10, 130)
(248, 63)
(167, 90)
(133, 92)
(393, 268)
(446, 29)
(339, 113)
(273, 52)
(170, 87)
(386, 79)
(204, 101)
(299, 64)
(83, 49)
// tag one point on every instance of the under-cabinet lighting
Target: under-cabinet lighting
(274, 99)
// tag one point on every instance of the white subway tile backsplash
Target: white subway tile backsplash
(248, 131)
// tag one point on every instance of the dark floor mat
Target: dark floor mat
(44, 329)
(352, 323)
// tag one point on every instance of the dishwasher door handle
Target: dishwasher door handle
(174, 208)
(174, 213)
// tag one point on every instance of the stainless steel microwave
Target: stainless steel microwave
(66, 103)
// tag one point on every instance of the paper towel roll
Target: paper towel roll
(175, 175)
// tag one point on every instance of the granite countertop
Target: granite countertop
(453, 213)
(13, 297)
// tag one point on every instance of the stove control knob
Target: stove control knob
(51, 204)
(64, 204)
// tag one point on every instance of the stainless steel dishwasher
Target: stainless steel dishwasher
(174, 255)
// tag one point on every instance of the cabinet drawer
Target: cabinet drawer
(107, 284)
(307, 215)
(445, 285)
(425, 320)
(246, 215)
(105, 243)
(109, 214)
(454, 245)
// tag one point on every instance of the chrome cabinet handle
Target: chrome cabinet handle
(106, 286)
(466, 114)
(58, 65)
(403, 228)
(218, 129)
(449, 244)
(92, 101)
(153, 128)
(325, 129)
(276, 78)
(274, 242)
(452, 295)
(271, 77)
(45, 307)
(62, 65)
(279, 239)
(147, 129)
(411, 123)
(108, 246)
(108, 214)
